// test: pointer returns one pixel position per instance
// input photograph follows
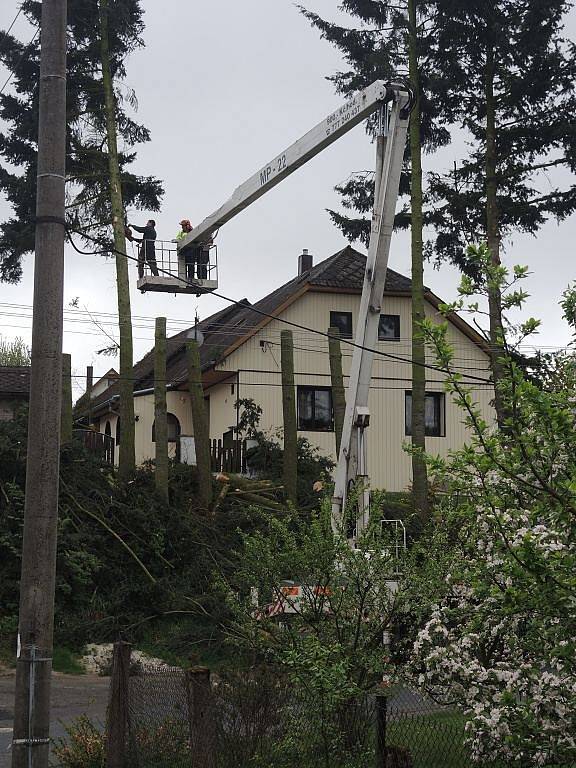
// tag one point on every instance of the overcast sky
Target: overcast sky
(225, 86)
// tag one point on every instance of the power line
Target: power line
(10, 29)
(261, 312)
(19, 62)
(309, 374)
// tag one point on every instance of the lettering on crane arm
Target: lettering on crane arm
(342, 115)
(276, 166)
(333, 122)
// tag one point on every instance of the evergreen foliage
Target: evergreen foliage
(88, 199)
(533, 70)
(393, 39)
(377, 47)
(130, 562)
(514, 76)
(124, 555)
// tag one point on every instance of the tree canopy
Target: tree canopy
(88, 200)
(513, 72)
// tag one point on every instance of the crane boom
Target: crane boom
(352, 112)
(352, 459)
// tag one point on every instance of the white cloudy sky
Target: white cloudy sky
(224, 86)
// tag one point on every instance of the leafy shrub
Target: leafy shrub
(83, 747)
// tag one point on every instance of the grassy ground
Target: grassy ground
(66, 661)
(63, 660)
(434, 741)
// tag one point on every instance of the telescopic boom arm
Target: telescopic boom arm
(362, 105)
(351, 469)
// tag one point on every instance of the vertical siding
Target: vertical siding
(258, 363)
(255, 373)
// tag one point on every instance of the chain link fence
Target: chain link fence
(166, 717)
(188, 719)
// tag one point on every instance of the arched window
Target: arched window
(118, 432)
(108, 429)
(173, 429)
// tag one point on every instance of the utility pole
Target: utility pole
(30, 744)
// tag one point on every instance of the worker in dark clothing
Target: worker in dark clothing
(202, 259)
(147, 247)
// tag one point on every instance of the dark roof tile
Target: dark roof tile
(15, 380)
(343, 270)
(346, 270)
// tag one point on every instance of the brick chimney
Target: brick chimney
(304, 262)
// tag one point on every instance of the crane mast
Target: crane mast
(351, 471)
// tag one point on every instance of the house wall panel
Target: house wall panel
(255, 373)
(258, 363)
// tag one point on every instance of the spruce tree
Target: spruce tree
(514, 74)
(392, 39)
(89, 199)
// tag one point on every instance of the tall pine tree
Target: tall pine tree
(391, 39)
(89, 198)
(515, 78)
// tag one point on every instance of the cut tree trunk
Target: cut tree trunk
(337, 380)
(289, 412)
(67, 420)
(200, 425)
(493, 241)
(418, 427)
(127, 460)
(160, 413)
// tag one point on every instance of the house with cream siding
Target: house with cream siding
(240, 358)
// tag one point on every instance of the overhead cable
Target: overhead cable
(261, 312)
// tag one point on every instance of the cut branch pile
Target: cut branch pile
(261, 493)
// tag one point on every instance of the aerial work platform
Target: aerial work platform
(390, 103)
(192, 271)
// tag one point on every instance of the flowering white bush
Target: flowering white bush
(501, 641)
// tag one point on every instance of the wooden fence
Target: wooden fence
(97, 442)
(230, 458)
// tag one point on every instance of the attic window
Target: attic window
(315, 413)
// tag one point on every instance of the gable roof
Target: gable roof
(345, 270)
(230, 327)
(15, 380)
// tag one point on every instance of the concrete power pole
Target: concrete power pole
(34, 666)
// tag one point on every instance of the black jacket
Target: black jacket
(149, 236)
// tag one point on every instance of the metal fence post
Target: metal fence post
(381, 716)
(117, 716)
(201, 717)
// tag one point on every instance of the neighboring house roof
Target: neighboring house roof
(111, 374)
(82, 401)
(15, 381)
(229, 328)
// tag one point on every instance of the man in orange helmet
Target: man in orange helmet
(185, 228)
